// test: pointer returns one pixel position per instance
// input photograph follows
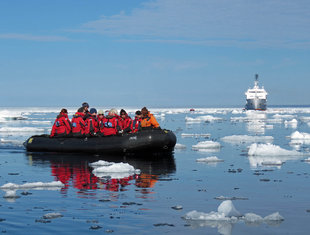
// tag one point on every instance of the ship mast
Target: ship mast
(256, 80)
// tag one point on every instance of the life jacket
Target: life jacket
(109, 125)
(91, 125)
(135, 125)
(78, 124)
(124, 123)
(62, 125)
(149, 121)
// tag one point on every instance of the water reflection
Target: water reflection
(75, 171)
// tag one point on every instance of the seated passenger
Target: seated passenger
(91, 122)
(109, 125)
(78, 124)
(85, 107)
(135, 124)
(148, 120)
(124, 121)
(62, 125)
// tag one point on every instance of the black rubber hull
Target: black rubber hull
(144, 141)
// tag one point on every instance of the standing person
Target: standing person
(62, 125)
(91, 122)
(135, 124)
(148, 120)
(110, 124)
(124, 120)
(78, 123)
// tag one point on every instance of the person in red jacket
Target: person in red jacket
(124, 121)
(78, 124)
(135, 124)
(91, 128)
(62, 125)
(110, 124)
(100, 119)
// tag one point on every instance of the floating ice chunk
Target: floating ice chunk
(207, 118)
(212, 159)
(307, 159)
(274, 217)
(113, 170)
(180, 146)
(252, 218)
(206, 145)
(270, 150)
(300, 135)
(275, 162)
(293, 123)
(283, 116)
(35, 185)
(195, 215)
(52, 215)
(21, 129)
(184, 135)
(246, 139)
(227, 208)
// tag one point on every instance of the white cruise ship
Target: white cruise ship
(256, 97)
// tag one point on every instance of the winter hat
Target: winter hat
(113, 112)
(80, 110)
(138, 112)
(93, 110)
(122, 112)
(85, 104)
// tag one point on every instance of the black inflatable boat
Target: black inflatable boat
(155, 140)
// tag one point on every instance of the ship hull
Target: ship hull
(256, 104)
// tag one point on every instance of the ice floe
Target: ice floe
(227, 215)
(270, 150)
(206, 145)
(239, 139)
(185, 135)
(292, 123)
(11, 188)
(212, 159)
(270, 155)
(113, 170)
(21, 129)
(179, 146)
(199, 119)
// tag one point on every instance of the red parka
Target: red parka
(62, 125)
(109, 125)
(124, 122)
(135, 125)
(91, 126)
(78, 123)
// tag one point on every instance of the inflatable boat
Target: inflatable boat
(155, 140)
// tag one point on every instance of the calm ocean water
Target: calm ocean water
(157, 199)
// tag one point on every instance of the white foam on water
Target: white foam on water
(206, 145)
(237, 139)
(113, 170)
(52, 215)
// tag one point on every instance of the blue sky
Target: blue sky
(159, 53)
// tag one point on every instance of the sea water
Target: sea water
(232, 172)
